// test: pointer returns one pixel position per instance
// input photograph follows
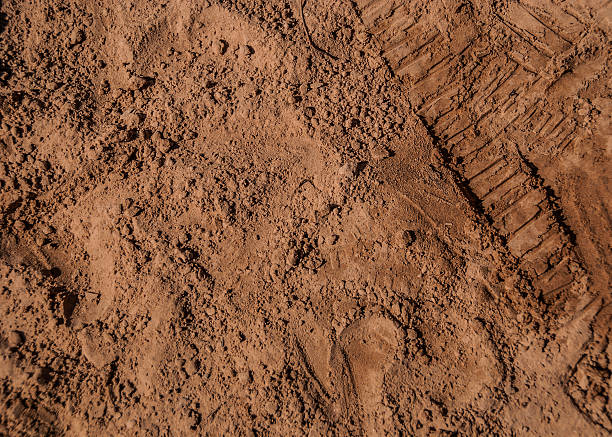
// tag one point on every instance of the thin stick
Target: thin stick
(301, 5)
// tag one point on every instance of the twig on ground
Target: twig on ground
(301, 4)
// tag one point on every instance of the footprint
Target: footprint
(365, 351)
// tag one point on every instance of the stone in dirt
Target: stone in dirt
(95, 349)
(15, 339)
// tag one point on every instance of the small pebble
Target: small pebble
(52, 85)
(244, 51)
(309, 112)
(348, 170)
(211, 311)
(163, 144)
(131, 119)
(192, 366)
(20, 225)
(395, 308)
(137, 83)
(219, 47)
(351, 123)
(292, 257)
(183, 237)
(133, 211)
(244, 377)
(411, 334)
(15, 339)
(77, 36)
(28, 148)
(407, 238)
(379, 153)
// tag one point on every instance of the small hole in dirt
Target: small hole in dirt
(69, 304)
(54, 272)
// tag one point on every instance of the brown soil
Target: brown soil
(329, 218)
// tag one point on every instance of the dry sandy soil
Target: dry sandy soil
(249, 217)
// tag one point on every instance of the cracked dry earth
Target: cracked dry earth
(313, 218)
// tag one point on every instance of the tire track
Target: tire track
(483, 90)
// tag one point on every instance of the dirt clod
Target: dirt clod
(15, 339)
(77, 36)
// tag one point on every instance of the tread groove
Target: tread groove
(481, 103)
(539, 20)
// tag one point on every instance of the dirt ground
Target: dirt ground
(267, 217)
